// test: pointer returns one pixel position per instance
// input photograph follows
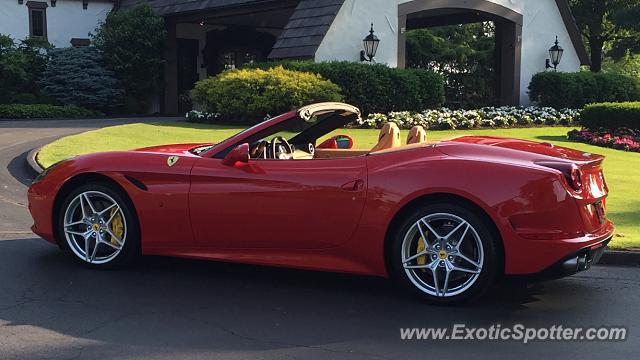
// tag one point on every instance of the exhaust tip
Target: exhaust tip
(571, 265)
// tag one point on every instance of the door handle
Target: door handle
(355, 185)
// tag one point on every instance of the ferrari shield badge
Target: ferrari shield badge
(172, 160)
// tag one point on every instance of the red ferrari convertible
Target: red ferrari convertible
(444, 219)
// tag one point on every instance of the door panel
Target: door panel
(303, 204)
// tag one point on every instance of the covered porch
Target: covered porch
(205, 42)
(419, 14)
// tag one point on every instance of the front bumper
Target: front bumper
(41, 208)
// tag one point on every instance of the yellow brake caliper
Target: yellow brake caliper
(117, 226)
(420, 248)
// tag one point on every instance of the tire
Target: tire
(468, 267)
(112, 243)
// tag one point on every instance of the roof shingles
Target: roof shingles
(170, 7)
(306, 28)
(301, 36)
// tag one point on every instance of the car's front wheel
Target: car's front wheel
(97, 224)
(445, 252)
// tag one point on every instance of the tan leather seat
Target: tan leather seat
(417, 135)
(389, 137)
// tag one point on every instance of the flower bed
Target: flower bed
(621, 139)
(201, 117)
(489, 117)
(447, 119)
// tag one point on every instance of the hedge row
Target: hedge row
(376, 88)
(574, 90)
(445, 119)
(44, 111)
(611, 116)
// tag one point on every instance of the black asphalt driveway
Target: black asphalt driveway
(51, 308)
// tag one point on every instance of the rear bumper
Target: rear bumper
(532, 257)
(578, 261)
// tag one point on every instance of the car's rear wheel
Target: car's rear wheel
(445, 252)
(97, 224)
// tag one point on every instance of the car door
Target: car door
(296, 204)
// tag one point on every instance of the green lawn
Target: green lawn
(622, 169)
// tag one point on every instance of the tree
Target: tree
(627, 65)
(21, 66)
(463, 54)
(76, 76)
(131, 44)
(608, 26)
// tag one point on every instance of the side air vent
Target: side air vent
(139, 184)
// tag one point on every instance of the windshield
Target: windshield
(297, 130)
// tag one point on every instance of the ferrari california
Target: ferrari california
(443, 219)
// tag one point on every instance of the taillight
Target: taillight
(576, 178)
(604, 182)
(570, 171)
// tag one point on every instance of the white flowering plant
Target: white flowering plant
(201, 116)
(447, 119)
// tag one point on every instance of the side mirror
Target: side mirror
(337, 142)
(239, 154)
(344, 142)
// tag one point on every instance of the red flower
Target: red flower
(623, 139)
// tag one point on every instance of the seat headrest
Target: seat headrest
(417, 135)
(389, 137)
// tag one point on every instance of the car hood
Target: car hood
(177, 149)
(520, 149)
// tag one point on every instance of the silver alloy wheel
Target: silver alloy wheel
(88, 227)
(450, 258)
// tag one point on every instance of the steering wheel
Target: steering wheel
(259, 149)
(281, 149)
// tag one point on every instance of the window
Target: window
(236, 58)
(78, 42)
(37, 18)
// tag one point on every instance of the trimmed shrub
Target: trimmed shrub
(611, 116)
(574, 90)
(44, 111)
(376, 88)
(247, 95)
(75, 76)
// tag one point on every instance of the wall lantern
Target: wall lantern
(85, 4)
(371, 43)
(555, 52)
(53, 3)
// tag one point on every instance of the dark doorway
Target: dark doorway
(235, 47)
(187, 59)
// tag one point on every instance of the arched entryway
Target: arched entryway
(418, 14)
